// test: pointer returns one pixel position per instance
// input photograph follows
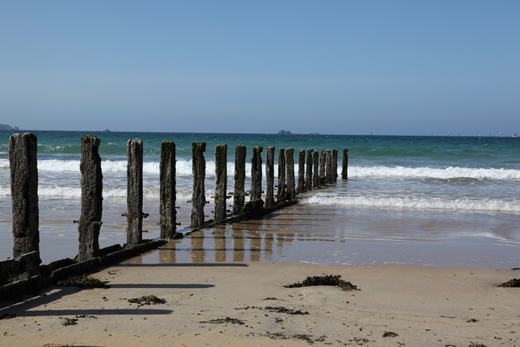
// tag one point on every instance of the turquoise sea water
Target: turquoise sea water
(408, 175)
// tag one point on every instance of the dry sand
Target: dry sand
(419, 306)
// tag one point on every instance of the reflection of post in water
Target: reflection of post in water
(167, 253)
(255, 245)
(219, 238)
(237, 233)
(197, 247)
(268, 241)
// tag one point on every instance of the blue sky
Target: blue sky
(336, 67)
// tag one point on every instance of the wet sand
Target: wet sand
(327, 235)
(395, 306)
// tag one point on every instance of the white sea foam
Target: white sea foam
(73, 192)
(416, 203)
(426, 172)
(184, 168)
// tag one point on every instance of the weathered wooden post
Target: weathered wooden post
(269, 176)
(91, 198)
(167, 170)
(316, 172)
(328, 167)
(322, 167)
(335, 165)
(308, 171)
(280, 197)
(220, 182)
(301, 172)
(24, 193)
(256, 174)
(291, 189)
(134, 192)
(198, 169)
(240, 179)
(344, 169)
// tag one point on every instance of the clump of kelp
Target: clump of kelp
(83, 282)
(515, 282)
(325, 280)
(147, 300)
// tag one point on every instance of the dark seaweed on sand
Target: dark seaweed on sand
(147, 300)
(281, 309)
(325, 280)
(84, 282)
(515, 282)
(224, 320)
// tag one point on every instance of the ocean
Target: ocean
(400, 189)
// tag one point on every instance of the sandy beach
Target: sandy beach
(395, 306)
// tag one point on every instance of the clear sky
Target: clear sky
(336, 67)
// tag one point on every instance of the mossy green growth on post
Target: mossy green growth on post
(220, 182)
(167, 172)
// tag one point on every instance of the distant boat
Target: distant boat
(501, 134)
(514, 134)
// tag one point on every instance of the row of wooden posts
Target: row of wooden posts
(24, 187)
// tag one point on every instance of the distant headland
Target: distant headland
(287, 132)
(7, 127)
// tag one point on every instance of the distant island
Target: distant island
(283, 132)
(7, 127)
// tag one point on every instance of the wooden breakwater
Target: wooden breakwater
(316, 170)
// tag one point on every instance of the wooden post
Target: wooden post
(134, 192)
(198, 169)
(256, 174)
(167, 170)
(316, 171)
(269, 176)
(220, 182)
(24, 193)
(328, 167)
(281, 176)
(344, 169)
(91, 198)
(301, 172)
(322, 167)
(308, 171)
(240, 179)
(291, 189)
(335, 165)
